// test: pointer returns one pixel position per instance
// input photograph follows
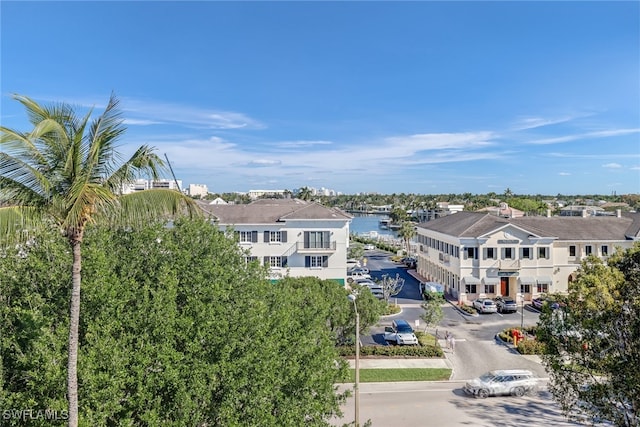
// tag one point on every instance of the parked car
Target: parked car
(355, 275)
(369, 247)
(516, 382)
(485, 305)
(542, 301)
(401, 333)
(506, 305)
(360, 270)
(375, 289)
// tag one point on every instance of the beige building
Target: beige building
(291, 236)
(478, 255)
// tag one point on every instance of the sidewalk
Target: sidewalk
(401, 363)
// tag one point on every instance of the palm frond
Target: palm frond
(139, 208)
(18, 223)
(143, 161)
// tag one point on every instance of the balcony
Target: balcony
(316, 247)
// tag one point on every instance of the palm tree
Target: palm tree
(407, 231)
(66, 173)
(304, 193)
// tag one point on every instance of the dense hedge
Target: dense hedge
(526, 346)
(392, 351)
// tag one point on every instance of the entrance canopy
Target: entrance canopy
(470, 280)
(545, 279)
(491, 280)
(526, 280)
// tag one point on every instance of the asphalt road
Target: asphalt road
(477, 351)
(444, 404)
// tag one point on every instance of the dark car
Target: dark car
(506, 305)
(542, 301)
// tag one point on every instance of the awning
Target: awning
(545, 279)
(491, 280)
(525, 280)
(470, 280)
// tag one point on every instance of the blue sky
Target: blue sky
(388, 97)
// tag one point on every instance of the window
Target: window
(248, 236)
(572, 250)
(526, 253)
(316, 240)
(489, 289)
(525, 288)
(275, 236)
(490, 253)
(470, 253)
(275, 261)
(604, 250)
(470, 289)
(315, 261)
(250, 259)
(543, 287)
(508, 253)
(543, 252)
(588, 250)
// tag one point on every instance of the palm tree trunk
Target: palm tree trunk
(72, 367)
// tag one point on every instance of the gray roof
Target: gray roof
(475, 224)
(271, 211)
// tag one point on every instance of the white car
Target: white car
(360, 270)
(516, 382)
(485, 305)
(369, 247)
(400, 333)
(355, 275)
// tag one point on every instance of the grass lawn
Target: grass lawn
(401, 374)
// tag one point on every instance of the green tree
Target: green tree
(433, 313)
(177, 330)
(304, 193)
(593, 342)
(406, 232)
(65, 173)
(356, 250)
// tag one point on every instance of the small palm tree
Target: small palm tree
(406, 232)
(304, 193)
(66, 173)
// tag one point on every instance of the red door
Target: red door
(504, 286)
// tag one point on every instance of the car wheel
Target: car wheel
(483, 393)
(518, 391)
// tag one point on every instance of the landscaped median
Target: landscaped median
(400, 374)
(391, 363)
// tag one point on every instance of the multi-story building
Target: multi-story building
(477, 255)
(292, 237)
(197, 190)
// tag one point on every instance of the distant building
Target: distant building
(254, 194)
(478, 255)
(197, 190)
(167, 183)
(290, 236)
(503, 210)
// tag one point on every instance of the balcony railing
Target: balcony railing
(316, 247)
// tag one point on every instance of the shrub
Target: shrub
(391, 309)
(428, 351)
(530, 346)
(467, 309)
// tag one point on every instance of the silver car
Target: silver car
(516, 382)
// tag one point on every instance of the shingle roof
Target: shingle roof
(474, 224)
(270, 211)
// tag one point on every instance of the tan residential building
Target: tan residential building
(291, 236)
(478, 255)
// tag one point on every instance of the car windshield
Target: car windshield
(488, 377)
(405, 329)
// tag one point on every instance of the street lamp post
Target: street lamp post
(356, 389)
(522, 313)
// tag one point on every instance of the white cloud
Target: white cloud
(564, 174)
(301, 144)
(588, 135)
(525, 123)
(188, 116)
(264, 163)
(140, 122)
(612, 165)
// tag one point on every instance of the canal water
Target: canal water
(365, 223)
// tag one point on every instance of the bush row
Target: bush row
(428, 351)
